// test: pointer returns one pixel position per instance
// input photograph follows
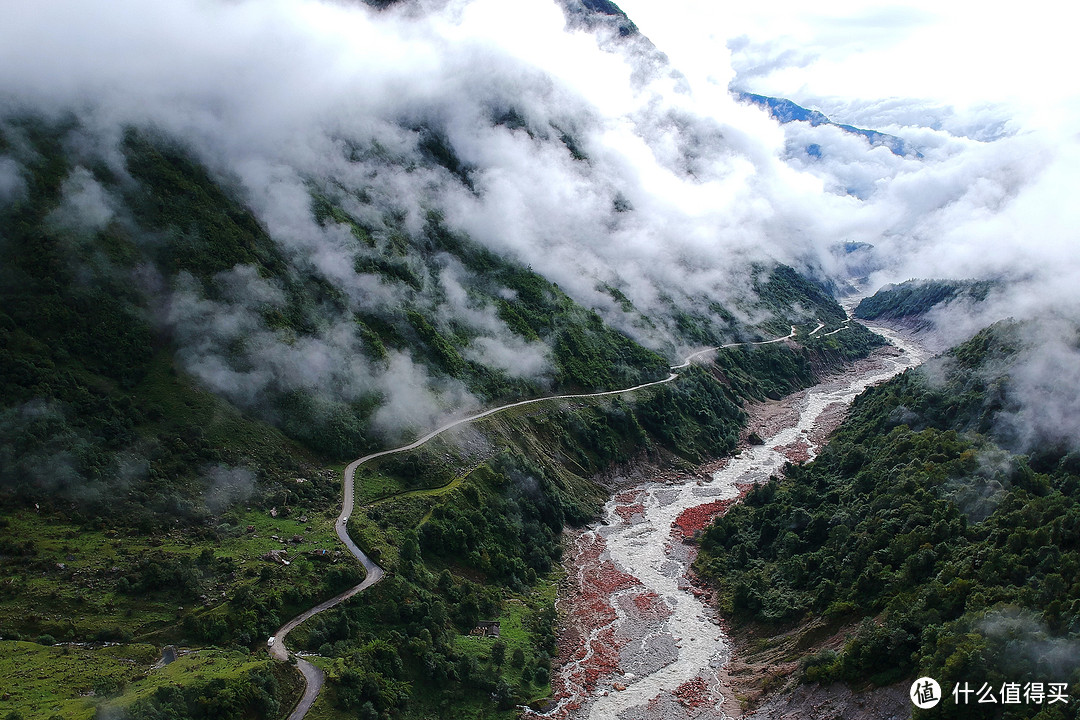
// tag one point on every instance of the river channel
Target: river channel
(638, 641)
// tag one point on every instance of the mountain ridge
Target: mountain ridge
(786, 111)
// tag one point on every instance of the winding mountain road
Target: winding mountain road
(314, 678)
(844, 326)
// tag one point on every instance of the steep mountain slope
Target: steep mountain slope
(178, 279)
(176, 378)
(915, 298)
(210, 296)
(934, 522)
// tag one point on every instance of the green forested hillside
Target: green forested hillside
(481, 542)
(95, 412)
(961, 557)
(784, 288)
(916, 297)
(115, 329)
(177, 384)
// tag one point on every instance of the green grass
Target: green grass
(68, 588)
(72, 682)
(80, 599)
(371, 485)
(39, 681)
(427, 468)
(379, 530)
(317, 532)
(515, 632)
(196, 667)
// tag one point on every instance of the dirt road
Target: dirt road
(313, 676)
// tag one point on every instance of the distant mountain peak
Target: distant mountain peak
(594, 13)
(786, 111)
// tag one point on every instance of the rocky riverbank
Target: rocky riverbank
(639, 639)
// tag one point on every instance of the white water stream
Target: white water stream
(689, 644)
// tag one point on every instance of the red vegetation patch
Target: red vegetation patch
(649, 606)
(698, 518)
(693, 693)
(796, 452)
(593, 656)
(628, 504)
(608, 580)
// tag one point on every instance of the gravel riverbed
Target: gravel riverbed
(638, 639)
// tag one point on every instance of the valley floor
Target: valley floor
(638, 638)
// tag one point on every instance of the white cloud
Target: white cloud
(961, 53)
(412, 401)
(85, 205)
(512, 355)
(12, 185)
(271, 93)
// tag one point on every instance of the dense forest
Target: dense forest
(97, 396)
(481, 546)
(953, 547)
(178, 384)
(917, 297)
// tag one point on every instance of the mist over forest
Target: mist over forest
(245, 241)
(578, 150)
